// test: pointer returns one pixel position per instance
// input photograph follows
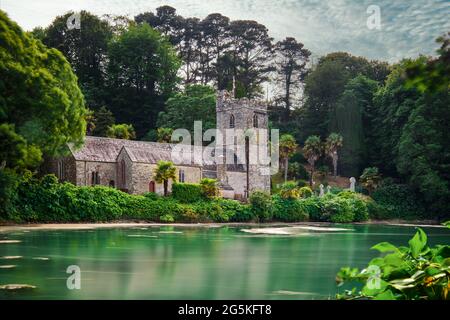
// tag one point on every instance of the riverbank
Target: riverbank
(131, 224)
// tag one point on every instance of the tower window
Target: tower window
(255, 121)
(232, 121)
(181, 176)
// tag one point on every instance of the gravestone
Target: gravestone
(352, 184)
(322, 191)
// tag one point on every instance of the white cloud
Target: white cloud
(408, 27)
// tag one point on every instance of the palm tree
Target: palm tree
(333, 143)
(164, 134)
(370, 179)
(312, 150)
(164, 172)
(288, 146)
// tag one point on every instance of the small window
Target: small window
(255, 121)
(181, 176)
(95, 178)
(232, 121)
(112, 183)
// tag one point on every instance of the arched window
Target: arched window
(181, 176)
(95, 178)
(255, 121)
(61, 170)
(232, 121)
(122, 173)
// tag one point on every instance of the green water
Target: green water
(191, 262)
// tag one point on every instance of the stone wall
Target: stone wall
(51, 166)
(106, 171)
(142, 174)
(237, 181)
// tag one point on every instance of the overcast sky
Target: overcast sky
(408, 27)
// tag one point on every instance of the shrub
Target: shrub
(312, 206)
(210, 188)
(336, 209)
(398, 201)
(370, 179)
(187, 192)
(152, 195)
(261, 205)
(289, 190)
(302, 183)
(305, 192)
(167, 218)
(9, 183)
(289, 210)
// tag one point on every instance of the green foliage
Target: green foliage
(142, 74)
(28, 199)
(121, 131)
(337, 209)
(103, 120)
(333, 143)
(287, 148)
(352, 118)
(289, 209)
(196, 103)
(261, 204)
(326, 83)
(167, 218)
(9, 183)
(85, 49)
(289, 190)
(416, 272)
(398, 201)
(16, 153)
(187, 192)
(370, 179)
(41, 106)
(210, 188)
(305, 192)
(164, 134)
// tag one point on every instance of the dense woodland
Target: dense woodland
(142, 77)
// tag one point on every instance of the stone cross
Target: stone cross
(328, 189)
(352, 184)
(322, 191)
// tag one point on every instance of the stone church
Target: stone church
(128, 165)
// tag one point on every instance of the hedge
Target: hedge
(187, 192)
(28, 199)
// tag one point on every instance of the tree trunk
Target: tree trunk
(286, 160)
(311, 175)
(335, 161)
(165, 187)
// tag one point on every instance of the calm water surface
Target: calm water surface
(164, 262)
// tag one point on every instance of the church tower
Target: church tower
(243, 124)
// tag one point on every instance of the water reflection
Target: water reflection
(191, 263)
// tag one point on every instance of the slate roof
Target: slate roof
(107, 149)
(102, 149)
